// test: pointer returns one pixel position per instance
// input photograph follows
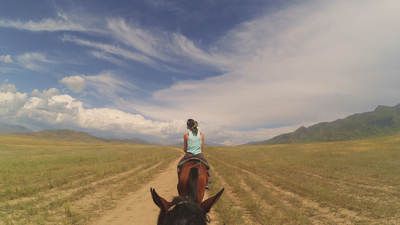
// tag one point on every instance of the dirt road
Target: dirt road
(138, 208)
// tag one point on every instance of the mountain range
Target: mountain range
(10, 129)
(383, 121)
(70, 136)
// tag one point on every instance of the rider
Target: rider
(193, 146)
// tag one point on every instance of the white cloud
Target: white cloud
(6, 58)
(11, 101)
(49, 108)
(309, 63)
(48, 24)
(74, 83)
(8, 88)
(33, 60)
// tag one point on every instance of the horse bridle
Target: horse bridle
(173, 206)
(206, 217)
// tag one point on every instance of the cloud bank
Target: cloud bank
(302, 65)
(51, 108)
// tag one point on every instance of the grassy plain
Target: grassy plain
(46, 182)
(351, 182)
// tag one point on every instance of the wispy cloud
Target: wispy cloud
(112, 49)
(143, 41)
(141, 45)
(107, 57)
(62, 22)
(33, 61)
(44, 25)
(109, 85)
(6, 58)
(165, 46)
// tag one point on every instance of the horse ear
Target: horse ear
(159, 201)
(207, 204)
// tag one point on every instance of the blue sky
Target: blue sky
(245, 70)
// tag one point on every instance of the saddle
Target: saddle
(194, 159)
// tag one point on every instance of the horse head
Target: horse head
(183, 210)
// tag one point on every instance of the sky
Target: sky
(245, 70)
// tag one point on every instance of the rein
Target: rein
(201, 168)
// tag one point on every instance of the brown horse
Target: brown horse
(188, 207)
(193, 180)
(183, 210)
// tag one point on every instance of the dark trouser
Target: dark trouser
(190, 155)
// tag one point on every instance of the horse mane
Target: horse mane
(192, 184)
(184, 211)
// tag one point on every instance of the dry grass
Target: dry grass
(352, 182)
(45, 182)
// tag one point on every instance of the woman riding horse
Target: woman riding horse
(189, 207)
(193, 146)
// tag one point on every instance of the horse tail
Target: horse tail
(192, 183)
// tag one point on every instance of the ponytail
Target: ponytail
(193, 124)
(195, 130)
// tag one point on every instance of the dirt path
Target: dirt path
(138, 208)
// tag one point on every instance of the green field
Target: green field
(351, 182)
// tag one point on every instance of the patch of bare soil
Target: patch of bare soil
(139, 208)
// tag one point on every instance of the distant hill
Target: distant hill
(251, 143)
(11, 129)
(131, 140)
(74, 136)
(383, 121)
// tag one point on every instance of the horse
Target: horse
(191, 183)
(187, 208)
(183, 210)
